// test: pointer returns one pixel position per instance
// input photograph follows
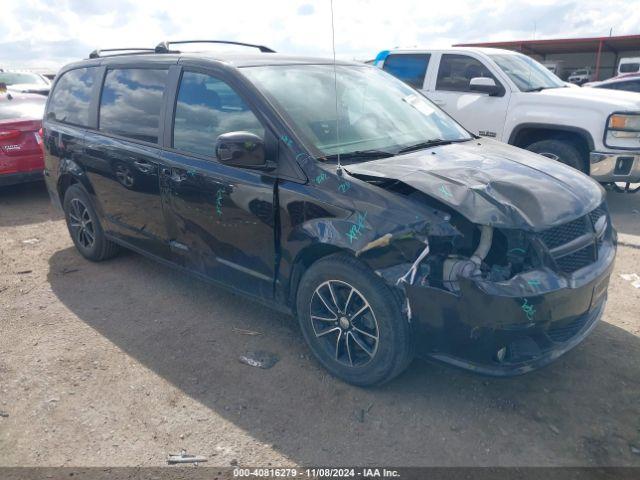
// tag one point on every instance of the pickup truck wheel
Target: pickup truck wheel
(561, 151)
(353, 322)
(84, 226)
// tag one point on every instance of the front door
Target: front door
(479, 113)
(222, 217)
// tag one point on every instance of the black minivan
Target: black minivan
(336, 193)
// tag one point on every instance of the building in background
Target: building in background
(599, 55)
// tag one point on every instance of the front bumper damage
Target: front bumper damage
(512, 327)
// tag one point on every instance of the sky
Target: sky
(47, 34)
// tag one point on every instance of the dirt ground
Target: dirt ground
(124, 362)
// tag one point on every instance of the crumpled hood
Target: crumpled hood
(491, 183)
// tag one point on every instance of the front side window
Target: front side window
(131, 102)
(206, 108)
(456, 71)
(71, 97)
(525, 72)
(375, 111)
(408, 67)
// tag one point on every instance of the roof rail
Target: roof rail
(164, 47)
(132, 51)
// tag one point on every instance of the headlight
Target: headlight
(623, 131)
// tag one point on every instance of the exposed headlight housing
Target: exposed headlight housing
(623, 131)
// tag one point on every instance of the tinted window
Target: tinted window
(456, 71)
(131, 102)
(71, 97)
(629, 67)
(207, 108)
(26, 108)
(409, 68)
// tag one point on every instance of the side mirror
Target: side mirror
(241, 149)
(484, 85)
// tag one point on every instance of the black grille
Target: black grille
(567, 331)
(576, 260)
(556, 236)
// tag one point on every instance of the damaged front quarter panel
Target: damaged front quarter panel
(462, 243)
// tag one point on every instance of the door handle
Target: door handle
(143, 166)
(439, 102)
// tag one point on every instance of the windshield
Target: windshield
(526, 73)
(14, 78)
(377, 112)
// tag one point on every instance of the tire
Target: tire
(560, 150)
(84, 226)
(374, 345)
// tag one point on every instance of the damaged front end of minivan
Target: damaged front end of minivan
(503, 281)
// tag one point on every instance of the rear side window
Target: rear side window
(410, 67)
(456, 71)
(629, 67)
(131, 101)
(71, 97)
(206, 108)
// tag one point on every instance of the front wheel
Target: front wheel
(561, 151)
(353, 322)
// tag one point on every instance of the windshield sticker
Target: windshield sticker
(356, 229)
(419, 104)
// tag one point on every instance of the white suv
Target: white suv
(510, 97)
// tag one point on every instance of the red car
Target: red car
(21, 158)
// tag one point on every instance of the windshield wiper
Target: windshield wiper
(361, 155)
(430, 143)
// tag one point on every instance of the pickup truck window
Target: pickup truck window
(408, 67)
(456, 71)
(526, 73)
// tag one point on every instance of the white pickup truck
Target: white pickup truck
(510, 97)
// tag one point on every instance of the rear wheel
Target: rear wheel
(352, 321)
(561, 151)
(84, 226)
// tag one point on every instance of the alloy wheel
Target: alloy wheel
(344, 322)
(81, 224)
